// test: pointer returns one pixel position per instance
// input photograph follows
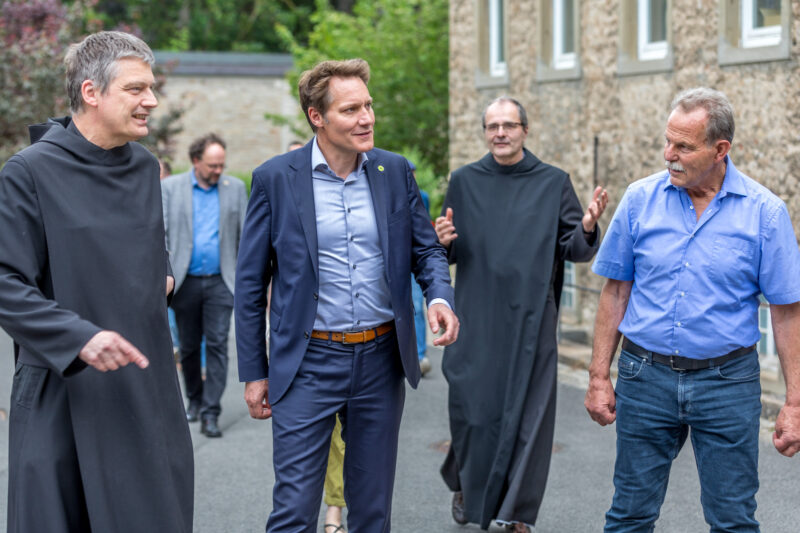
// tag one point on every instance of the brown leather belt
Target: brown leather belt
(354, 337)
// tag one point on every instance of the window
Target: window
(761, 23)
(497, 55)
(766, 346)
(559, 28)
(652, 29)
(754, 31)
(568, 292)
(564, 34)
(644, 45)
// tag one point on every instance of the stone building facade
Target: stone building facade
(597, 78)
(229, 94)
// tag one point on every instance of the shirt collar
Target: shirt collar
(197, 185)
(318, 159)
(731, 184)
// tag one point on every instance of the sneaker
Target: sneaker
(424, 365)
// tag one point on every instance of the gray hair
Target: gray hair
(720, 112)
(95, 58)
(523, 116)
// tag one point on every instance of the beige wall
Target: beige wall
(626, 113)
(233, 107)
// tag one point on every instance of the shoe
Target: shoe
(518, 527)
(209, 428)
(192, 413)
(335, 528)
(424, 365)
(458, 508)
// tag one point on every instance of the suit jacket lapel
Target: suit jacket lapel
(376, 177)
(303, 190)
(188, 207)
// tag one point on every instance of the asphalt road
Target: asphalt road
(234, 474)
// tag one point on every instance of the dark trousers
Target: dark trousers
(364, 384)
(203, 306)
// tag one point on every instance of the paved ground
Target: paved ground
(234, 474)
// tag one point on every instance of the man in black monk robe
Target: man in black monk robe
(95, 443)
(510, 221)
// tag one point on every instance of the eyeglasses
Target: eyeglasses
(507, 126)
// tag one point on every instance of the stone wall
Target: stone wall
(222, 94)
(626, 113)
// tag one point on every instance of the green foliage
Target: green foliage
(34, 36)
(406, 45)
(427, 180)
(223, 25)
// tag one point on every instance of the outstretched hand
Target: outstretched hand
(441, 316)
(445, 230)
(108, 350)
(595, 209)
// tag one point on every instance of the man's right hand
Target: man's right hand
(445, 230)
(108, 350)
(256, 394)
(600, 401)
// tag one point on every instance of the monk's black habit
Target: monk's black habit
(82, 250)
(516, 226)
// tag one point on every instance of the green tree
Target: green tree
(406, 45)
(221, 25)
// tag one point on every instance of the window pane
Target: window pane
(501, 38)
(658, 20)
(568, 44)
(766, 13)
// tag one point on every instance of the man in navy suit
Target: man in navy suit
(337, 226)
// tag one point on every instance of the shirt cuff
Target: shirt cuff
(439, 301)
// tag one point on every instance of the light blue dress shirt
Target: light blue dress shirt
(353, 291)
(205, 230)
(696, 283)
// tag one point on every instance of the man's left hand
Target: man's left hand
(787, 431)
(439, 315)
(595, 209)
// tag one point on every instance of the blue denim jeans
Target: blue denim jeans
(419, 316)
(656, 409)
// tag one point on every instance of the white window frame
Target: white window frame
(497, 67)
(647, 49)
(753, 37)
(561, 60)
(568, 292)
(766, 343)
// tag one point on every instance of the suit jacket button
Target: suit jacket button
(316, 296)
(305, 334)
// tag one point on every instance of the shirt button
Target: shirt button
(691, 207)
(686, 263)
(351, 238)
(357, 295)
(348, 209)
(678, 324)
(354, 267)
(358, 322)
(677, 351)
(683, 294)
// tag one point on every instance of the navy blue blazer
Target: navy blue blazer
(279, 243)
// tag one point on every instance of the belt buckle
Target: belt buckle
(672, 364)
(346, 333)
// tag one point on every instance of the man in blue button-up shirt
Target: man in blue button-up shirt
(337, 226)
(203, 215)
(687, 255)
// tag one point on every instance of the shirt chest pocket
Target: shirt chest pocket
(734, 260)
